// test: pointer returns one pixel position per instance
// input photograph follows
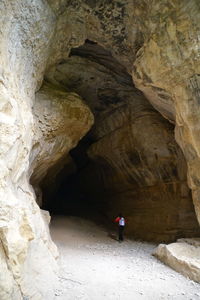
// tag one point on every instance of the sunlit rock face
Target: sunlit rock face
(134, 164)
(25, 37)
(27, 254)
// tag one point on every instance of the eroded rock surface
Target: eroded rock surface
(166, 70)
(134, 163)
(24, 45)
(161, 40)
(183, 256)
(61, 120)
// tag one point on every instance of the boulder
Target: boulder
(183, 256)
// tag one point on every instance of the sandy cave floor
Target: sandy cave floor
(94, 266)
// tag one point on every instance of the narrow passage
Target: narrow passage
(94, 266)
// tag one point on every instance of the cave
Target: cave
(99, 114)
(127, 162)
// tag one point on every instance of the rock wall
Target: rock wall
(166, 70)
(24, 44)
(160, 38)
(28, 266)
(157, 43)
(134, 164)
(61, 120)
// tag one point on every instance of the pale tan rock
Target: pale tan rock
(61, 120)
(29, 266)
(24, 43)
(166, 69)
(110, 24)
(183, 256)
(8, 286)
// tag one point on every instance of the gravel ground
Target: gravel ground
(94, 266)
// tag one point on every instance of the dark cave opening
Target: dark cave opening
(129, 161)
(71, 197)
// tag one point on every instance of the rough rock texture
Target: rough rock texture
(182, 256)
(110, 23)
(160, 38)
(61, 120)
(26, 251)
(24, 44)
(167, 70)
(134, 164)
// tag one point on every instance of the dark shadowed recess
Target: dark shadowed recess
(128, 162)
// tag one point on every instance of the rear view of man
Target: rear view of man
(121, 224)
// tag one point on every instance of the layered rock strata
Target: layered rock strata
(134, 163)
(166, 69)
(157, 43)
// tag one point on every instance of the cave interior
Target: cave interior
(128, 161)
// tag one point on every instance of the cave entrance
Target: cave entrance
(72, 194)
(129, 162)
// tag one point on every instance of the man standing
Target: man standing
(121, 224)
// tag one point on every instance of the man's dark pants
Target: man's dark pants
(121, 231)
